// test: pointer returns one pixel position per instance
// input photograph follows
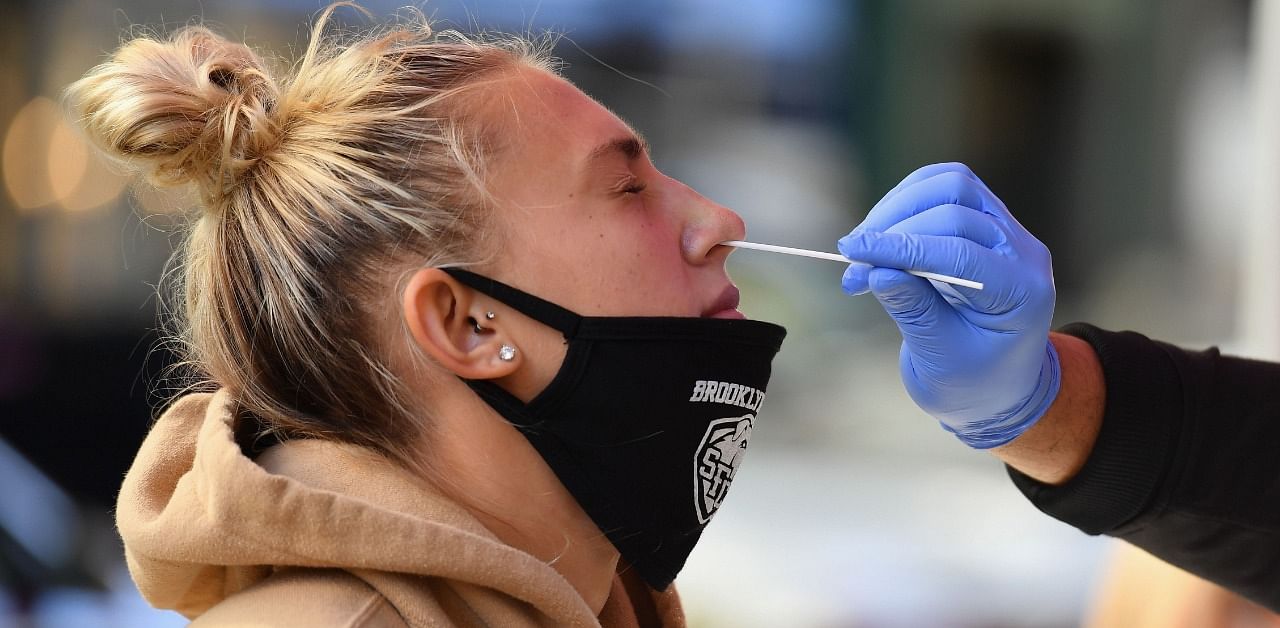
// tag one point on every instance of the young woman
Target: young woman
(385, 438)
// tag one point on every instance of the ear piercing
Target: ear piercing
(489, 315)
(506, 352)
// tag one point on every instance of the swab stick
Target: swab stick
(836, 257)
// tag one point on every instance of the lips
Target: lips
(726, 305)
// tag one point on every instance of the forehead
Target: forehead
(549, 114)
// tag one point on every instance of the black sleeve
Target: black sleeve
(1187, 462)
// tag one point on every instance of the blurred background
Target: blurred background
(1123, 134)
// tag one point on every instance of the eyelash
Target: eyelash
(632, 185)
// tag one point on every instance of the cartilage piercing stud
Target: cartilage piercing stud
(487, 316)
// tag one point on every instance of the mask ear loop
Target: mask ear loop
(545, 312)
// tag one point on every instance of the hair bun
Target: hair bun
(193, 108)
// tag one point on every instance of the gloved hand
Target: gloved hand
(979, 361)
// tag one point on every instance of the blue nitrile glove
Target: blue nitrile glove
(979, 361)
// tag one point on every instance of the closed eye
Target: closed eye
(630, 185)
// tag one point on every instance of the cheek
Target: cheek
(647, 259)
(603, 261)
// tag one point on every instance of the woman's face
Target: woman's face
(583, 220)
(587, 221)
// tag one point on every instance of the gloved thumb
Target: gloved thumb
(854, 281)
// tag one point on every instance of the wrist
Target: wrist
(999, 430)
(1056, 448)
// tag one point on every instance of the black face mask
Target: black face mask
(645, 423)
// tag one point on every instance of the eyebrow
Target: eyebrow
(631, 147)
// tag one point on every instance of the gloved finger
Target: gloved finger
(955, 220)
(926, 172)
(915, 306)
(951, 187)
(947, 255)
(943, 220)
(854, 281)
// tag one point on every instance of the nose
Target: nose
(707, 225)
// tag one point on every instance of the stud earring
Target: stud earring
(506, 353)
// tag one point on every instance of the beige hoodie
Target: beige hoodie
(319, 533)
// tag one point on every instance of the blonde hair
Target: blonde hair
(313, 190)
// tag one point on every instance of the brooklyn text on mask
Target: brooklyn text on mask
(711, 391)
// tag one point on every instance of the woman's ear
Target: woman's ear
(454, 325)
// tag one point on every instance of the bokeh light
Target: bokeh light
(26, 154)
(48, 163)
(67, 160)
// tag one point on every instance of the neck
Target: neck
(495, 474)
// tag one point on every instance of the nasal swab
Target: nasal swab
(836, 257)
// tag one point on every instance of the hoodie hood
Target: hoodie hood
(201, 521)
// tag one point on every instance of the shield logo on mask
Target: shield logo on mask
(717, 460)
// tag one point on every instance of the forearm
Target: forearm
(1183, 464)
(1057, 446)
